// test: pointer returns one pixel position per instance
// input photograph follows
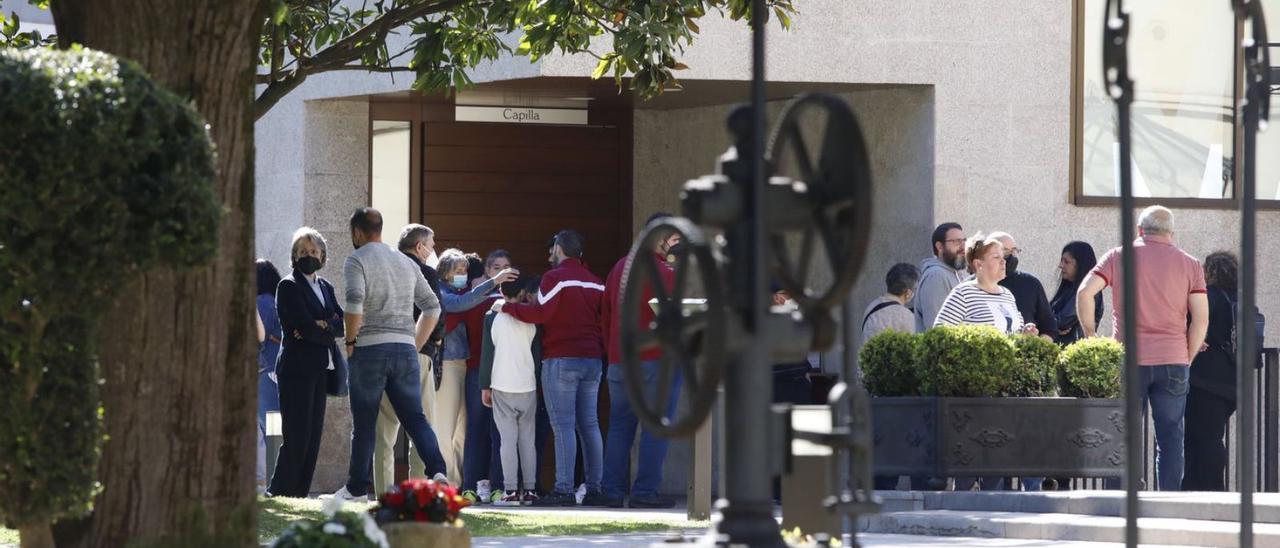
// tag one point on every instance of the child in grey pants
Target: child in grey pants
(509, 358)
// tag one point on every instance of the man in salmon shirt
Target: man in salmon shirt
(622, 419)
(568, 308)
(1171, 288)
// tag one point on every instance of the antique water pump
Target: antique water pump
(745, 238)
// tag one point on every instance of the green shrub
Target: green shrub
(1091, 368)
(888, 362)
(1035, 370)
(965, 361)
(102, 174)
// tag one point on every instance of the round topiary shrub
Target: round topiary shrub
(888, 362)
(965, 361)
(1035, 369)
(1091, 368)
(102, 174)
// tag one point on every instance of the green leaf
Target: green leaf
(282, 9)
(603, 66)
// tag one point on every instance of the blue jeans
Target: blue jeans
(390, 368)
(481, 459)
(571, 388)
(1166, 387)
(622, 432)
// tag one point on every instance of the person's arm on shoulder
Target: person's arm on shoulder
(537, 313)
(486, 359)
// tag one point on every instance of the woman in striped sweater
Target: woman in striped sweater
(981, 300)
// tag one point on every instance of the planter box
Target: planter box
(435, 535)
(950, 437)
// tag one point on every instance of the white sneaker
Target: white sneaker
(483, 491)
(346, 495)
(581, 493)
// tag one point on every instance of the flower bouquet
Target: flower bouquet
(338, 530)
(421, 512)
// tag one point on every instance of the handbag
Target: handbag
(336, 378)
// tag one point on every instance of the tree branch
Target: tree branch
(346, 50)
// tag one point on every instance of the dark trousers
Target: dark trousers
(1204, 443)
(302, 401)
(392, 369)
(481, 457)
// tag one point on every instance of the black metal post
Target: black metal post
(1271, 420)
(1246, 338)
(747, 509)
(1120, 88)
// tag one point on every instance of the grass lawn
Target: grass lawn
(275, 514)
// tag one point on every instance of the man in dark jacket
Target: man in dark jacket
(1027, 291)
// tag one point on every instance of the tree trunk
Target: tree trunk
(176, 349)
(35, 535)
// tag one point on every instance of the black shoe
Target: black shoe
(598, 498)
(654, 501)
(556, 499)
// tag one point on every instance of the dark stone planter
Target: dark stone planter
(950, 437)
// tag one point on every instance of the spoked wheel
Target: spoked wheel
(837, 183)
(691, 333)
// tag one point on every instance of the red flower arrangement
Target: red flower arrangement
(419, 500)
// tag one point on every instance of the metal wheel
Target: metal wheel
(837, 183)
(692, 336)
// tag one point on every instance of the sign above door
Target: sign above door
(521, 115)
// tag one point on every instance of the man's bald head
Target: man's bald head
(1156, 221)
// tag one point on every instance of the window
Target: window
(390, 177)
(1269, 141)
(1181, 62)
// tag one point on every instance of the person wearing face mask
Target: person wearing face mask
(456, 299)
(622, 419)
(1027, 290)
(568, 307)
(939, 274)
(311, 321)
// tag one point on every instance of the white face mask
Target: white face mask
(433, 260)
(459, 281)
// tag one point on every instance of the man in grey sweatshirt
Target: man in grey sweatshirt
(939, 273)
(382, 287)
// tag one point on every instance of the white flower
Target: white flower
(332, 528)
(331, 506)
(373, 532)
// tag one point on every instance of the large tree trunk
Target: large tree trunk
(177, 348)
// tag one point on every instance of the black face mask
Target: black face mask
(307, 265)
(1010, 265)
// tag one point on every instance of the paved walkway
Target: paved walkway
(636, 540)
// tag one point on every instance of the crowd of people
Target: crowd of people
(1185, 324)
(479, 364)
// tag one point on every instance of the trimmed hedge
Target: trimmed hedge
(102, 174)
(888, 362)
(965, 361)
(1035, 371)
(1091, 368)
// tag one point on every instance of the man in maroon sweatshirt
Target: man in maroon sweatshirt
(568, 308)
(622, 419)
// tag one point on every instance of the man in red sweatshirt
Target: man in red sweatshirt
(568, 308)
(622, 419)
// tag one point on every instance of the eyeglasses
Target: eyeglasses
(1015, 251)
(961, 240)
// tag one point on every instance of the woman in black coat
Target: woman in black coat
(1077, 260)
(311, 320)
(1212, 397)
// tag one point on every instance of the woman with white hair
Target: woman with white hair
(311, 320)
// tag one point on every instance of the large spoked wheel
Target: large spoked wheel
(837, 182)
(691, 333)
